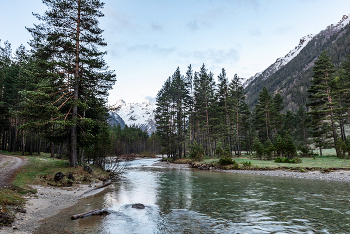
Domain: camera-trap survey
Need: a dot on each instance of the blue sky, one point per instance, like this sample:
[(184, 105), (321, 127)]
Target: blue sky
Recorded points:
[(148, 40)]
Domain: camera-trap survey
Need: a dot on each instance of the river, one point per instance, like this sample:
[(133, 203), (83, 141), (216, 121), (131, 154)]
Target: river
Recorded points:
[(192, 201)]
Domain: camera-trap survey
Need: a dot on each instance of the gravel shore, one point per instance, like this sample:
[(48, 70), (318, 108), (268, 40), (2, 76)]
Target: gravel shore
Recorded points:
[(313, 175), (48, 202), (339, 175)]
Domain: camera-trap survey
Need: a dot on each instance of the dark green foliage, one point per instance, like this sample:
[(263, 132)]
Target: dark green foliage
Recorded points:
[(288, 160), (196, 151), (289, 147), (226, 160), (219, 151), (132, 140), (217, 116), (323, 100), (73, 73), (247, 163), (172, 113), (53, 98), (258, 147), (269, 149), (304, 151)]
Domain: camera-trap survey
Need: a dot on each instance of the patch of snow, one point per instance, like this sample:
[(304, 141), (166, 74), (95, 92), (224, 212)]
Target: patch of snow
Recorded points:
[(139, 114), (280, 62)]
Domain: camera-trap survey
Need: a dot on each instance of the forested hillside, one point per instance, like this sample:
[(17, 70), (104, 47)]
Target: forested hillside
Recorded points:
[(207, 118), (293, 79)]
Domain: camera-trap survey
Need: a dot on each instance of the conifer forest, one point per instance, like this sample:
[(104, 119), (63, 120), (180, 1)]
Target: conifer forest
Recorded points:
[(198, 115), (53, 98)]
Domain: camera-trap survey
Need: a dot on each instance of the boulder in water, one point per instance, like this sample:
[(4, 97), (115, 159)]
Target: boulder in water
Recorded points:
[(138, 206)]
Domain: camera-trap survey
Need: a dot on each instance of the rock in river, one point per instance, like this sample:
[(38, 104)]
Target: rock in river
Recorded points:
[(138, 206)]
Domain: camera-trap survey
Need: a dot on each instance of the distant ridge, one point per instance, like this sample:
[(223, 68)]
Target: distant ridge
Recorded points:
[(140, 114), (290, 75)]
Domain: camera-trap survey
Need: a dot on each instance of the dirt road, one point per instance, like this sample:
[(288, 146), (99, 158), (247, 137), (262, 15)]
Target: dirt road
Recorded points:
[(9, 166)]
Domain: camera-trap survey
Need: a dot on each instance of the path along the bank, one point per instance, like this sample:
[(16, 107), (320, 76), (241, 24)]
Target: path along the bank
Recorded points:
[(9, 165)]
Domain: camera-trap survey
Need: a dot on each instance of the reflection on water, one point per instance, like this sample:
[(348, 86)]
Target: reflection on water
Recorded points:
[(186, 201)]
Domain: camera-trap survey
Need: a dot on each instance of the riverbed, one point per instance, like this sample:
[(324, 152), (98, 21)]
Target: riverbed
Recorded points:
[(182, 200)]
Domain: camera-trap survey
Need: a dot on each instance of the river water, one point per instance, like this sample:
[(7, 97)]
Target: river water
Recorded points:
[(191, 201)]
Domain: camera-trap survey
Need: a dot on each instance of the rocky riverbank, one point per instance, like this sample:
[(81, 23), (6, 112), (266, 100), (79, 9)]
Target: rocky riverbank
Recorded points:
[(334, 175), (48, 202)]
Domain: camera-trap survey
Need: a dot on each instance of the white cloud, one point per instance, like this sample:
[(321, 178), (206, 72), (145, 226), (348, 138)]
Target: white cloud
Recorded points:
[(218, 57), (151, 48)]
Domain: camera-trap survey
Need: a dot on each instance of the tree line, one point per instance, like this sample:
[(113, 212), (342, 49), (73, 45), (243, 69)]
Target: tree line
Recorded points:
[(133, 140), (194, 111), (55, 93)]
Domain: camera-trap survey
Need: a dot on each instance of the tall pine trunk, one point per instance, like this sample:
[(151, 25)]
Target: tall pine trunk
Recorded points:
[(73, 156)]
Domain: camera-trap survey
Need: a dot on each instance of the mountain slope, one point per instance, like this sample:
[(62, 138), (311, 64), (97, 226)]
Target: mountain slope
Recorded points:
[(291, 77), (138, 114)]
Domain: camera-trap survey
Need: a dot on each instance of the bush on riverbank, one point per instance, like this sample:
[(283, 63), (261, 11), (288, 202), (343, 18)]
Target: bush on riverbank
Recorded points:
[(226, 160), (288, 160)]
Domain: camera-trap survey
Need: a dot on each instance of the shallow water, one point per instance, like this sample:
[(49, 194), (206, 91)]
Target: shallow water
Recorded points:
[(188, 201)]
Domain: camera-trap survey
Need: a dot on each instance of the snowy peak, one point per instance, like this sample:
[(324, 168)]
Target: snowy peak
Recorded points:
[(341, 24), (140, 114), (280, 62)]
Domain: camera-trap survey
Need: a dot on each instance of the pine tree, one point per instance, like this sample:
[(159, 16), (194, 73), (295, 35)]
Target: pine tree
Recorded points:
[(66, 45), (222, 96), (204, 97), (323, 100), (263, 115), (163, 117), (237, 108)]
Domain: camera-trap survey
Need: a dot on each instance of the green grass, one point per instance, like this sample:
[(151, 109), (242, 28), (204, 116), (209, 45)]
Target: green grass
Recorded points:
[(10, 197), (318, 162), (328, 160), (37, 167), (41, 170)]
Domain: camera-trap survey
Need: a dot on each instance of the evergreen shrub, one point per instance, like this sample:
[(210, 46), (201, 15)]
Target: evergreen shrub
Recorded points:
[(287, 160), (247, 163), (197, 151), (226, 160)]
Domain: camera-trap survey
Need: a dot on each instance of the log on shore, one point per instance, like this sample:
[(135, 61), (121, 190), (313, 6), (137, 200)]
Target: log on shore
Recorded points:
[(98, 187), (89, 213)]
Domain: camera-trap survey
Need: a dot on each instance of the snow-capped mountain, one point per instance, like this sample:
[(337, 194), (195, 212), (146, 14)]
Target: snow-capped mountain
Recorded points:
[(290, 75), (280, 62), (139, 114)]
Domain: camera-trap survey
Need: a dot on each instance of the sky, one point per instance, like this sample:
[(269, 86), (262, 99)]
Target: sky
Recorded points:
[(148, 40)]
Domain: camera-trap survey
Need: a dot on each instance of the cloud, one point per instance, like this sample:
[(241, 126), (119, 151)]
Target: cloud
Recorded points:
[(193, 25), (214, 56), (152, 48), (119, 20), (255, 32), (157, 27)]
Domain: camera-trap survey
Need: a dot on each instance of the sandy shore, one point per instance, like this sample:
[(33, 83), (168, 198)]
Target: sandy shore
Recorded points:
[(339, 175), (48, 202)]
